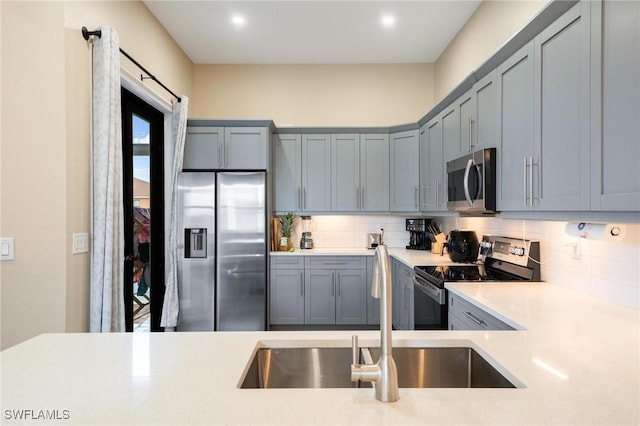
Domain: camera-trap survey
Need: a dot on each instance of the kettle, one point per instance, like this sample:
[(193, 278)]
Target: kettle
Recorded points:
[(463, 246)]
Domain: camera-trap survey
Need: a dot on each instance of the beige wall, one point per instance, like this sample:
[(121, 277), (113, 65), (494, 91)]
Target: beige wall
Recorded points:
[(490, 27), (33, 169), (315, 95), (45, 150)]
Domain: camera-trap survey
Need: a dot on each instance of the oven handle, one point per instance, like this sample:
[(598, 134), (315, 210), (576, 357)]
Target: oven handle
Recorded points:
[(434, 292)]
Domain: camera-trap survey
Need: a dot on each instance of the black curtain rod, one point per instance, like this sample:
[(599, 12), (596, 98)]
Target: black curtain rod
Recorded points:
[(98, 33)]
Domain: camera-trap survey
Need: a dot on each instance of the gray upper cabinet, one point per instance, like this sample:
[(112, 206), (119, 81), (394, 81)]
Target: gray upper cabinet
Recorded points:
[(246, 148), (220, 148), (560, 164), (471, 123), (316, 173), (432, 196), (345, 172), (516, 121), (615, 105), (404, 171), (450, 119), (485, 123), (374, 172), (360, 172), (287, 172), (203, 148)]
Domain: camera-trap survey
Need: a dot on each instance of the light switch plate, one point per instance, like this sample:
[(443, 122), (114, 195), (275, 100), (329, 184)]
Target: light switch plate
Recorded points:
[(80, 243), (6, 249)]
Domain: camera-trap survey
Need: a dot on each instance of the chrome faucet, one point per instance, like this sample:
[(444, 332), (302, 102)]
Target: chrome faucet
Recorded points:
[(384, 374)]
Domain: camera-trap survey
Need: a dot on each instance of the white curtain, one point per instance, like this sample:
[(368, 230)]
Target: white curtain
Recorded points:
[(171, 304), (107, 266)]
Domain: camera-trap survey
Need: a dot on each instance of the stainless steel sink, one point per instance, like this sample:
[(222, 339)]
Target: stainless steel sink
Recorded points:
[(437, 367), (455, 367), (300, 368)]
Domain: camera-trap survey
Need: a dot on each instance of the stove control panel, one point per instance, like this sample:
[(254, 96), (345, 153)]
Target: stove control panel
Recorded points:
[(514, 250)]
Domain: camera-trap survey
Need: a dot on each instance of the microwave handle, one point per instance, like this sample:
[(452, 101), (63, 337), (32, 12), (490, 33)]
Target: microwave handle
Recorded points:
[(466, 181)]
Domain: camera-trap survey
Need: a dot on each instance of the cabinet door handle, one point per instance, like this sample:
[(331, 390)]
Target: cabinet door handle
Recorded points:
[(362, 205), (333, 284), (415, 196), (220, 155), (524, 181), (470, 132), (531, 181), (339, 283), (301, 284), (304, 202), (298, 199), (473, 318), (358, 198)]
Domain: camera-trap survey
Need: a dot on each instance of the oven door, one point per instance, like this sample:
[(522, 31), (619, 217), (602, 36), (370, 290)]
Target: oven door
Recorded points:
[(430, 305)]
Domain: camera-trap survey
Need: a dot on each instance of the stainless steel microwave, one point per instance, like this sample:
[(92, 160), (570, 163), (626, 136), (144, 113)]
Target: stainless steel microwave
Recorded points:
[(471, 183)]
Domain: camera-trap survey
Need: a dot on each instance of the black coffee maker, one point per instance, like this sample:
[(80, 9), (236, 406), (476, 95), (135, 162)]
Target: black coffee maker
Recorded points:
[(419, 238)]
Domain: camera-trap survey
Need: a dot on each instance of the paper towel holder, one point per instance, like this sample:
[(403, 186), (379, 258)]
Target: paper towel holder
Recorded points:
[(594, 231)]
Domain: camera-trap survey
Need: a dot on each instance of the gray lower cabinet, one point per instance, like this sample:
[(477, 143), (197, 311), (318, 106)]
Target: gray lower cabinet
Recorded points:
[(464, 315), (402, 296), (320, 296), (351, 297), (286, 294), (318, 290), (219, 148), (335, 290), (615, 109), (404, 171), (373, 304)]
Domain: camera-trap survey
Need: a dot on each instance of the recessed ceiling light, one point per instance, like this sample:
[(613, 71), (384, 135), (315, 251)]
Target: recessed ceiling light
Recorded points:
[(388, 21), (238, 20)]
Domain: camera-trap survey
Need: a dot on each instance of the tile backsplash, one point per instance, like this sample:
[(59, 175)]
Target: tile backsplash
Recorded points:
[(609, 270)]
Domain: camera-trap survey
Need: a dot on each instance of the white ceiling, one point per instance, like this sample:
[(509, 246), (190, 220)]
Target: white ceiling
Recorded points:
[(312, 32)]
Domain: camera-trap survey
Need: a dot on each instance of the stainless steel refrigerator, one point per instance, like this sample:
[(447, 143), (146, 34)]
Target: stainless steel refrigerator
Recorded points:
[(222, 251)]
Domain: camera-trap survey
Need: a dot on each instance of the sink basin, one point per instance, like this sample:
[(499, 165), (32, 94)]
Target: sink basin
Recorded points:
[(330, 367), (300, 368), (450, 367)]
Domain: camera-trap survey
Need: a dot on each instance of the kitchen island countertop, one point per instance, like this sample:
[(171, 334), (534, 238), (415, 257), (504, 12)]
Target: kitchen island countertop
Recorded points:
[(577, 358)]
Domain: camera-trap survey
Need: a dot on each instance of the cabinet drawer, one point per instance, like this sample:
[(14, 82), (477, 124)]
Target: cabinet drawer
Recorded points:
[(474, 317), (287, 262), (335, 262)]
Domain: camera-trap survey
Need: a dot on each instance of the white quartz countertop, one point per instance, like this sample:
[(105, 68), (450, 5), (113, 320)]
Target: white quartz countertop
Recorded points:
[(409, 257), (576, 357)]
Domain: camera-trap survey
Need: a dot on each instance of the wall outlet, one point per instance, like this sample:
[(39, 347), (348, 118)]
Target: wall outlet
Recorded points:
[(6, 249)]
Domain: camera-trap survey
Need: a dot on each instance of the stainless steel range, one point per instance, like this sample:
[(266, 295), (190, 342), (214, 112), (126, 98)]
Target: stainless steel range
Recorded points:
[(501, 259)]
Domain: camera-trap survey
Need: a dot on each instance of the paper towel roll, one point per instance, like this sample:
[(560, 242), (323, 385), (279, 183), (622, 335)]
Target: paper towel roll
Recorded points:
[(595, 231)]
